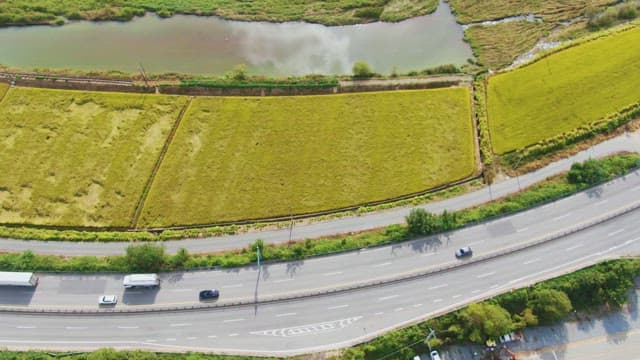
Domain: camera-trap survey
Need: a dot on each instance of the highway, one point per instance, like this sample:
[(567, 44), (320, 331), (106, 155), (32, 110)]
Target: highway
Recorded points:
[(327, 273), (626, 142), (324, 322)]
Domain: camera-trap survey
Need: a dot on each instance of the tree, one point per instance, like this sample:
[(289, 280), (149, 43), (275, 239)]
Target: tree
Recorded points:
[(485, 321), (422, 222), (550, 305), (239, 73), (589, 172), (106, 354), (145, 258), (180, 258), (361, 69)]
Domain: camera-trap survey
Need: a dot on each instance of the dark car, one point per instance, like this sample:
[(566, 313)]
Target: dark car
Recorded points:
[(209, 294), (465, 251)]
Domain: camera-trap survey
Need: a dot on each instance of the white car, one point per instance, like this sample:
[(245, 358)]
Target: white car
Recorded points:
[(108, 300), (434, 355)]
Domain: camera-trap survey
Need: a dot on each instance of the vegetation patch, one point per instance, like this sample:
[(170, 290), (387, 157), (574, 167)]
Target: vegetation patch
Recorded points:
[(497, 46), (4, 87), (20, 12), (78, 158), (468, 11), (250, 158), (564, 91)]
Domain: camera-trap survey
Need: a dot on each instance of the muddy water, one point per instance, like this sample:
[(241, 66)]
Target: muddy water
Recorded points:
[(210, 45)]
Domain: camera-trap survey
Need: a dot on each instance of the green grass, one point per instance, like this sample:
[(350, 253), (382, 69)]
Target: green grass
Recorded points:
[(497, 46), (564, 91), (248, 158), (4, 87), (78, 158), (468, 11), (327, 12)]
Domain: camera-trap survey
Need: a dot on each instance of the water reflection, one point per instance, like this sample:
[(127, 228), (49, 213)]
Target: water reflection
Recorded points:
[(211, 45)]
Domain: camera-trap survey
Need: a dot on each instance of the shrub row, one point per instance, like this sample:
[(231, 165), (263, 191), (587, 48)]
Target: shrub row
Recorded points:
[(480, 110), (562, 141), (110, 354), (320, 82), (604, 284), (419, 223)]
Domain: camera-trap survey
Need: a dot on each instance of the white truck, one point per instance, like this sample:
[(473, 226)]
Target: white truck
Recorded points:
[(141, 280), (27, 279)]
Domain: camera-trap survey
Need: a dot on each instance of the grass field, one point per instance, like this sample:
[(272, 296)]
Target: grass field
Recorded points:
[(497, 46), (563, 91), (247, 158), (327, 12), (78, 158), (468, 11), (3, 89)]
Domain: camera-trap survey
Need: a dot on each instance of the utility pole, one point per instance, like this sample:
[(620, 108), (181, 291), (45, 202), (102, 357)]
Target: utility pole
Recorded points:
[(144, 74), (291, 226), (258, 253), (431, 335)]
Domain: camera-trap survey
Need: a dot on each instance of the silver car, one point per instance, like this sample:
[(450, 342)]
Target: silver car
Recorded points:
[(108, 300)]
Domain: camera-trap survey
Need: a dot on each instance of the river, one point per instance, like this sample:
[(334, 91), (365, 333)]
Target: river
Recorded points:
[(211, 45)]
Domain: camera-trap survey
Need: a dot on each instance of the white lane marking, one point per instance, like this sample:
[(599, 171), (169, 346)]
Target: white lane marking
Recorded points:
[(485, 275), (191, 338), (76, 327), (456, 296), (212, 336), (181, 290), (233, 320), (437, 287), (332, 273), (234, 334), (379, 313), (428, 254), (25, 327), (151, 340), (388, 297), (171, 339), (337, 307), (531, 261), (383, 264), (286, 314), (398, 309), (522, 230), (283, 280), (437, 300), (231, 286), (615, 233), (475, 291), (574, 247), (128, 327), (180, 325), (417, 305), (493, 286), (601, 202), (554, 354), (561, 216)]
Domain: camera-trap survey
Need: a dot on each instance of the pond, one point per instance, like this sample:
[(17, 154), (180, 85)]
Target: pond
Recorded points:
[(210, 45)]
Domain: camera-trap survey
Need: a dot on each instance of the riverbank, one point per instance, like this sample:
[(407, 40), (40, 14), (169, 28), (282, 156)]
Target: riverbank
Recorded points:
[(341, 12)]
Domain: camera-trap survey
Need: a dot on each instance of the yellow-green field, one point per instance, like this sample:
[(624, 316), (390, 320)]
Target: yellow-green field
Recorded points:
[(3, 89), (78, 158), (247, 158), (563, 91)]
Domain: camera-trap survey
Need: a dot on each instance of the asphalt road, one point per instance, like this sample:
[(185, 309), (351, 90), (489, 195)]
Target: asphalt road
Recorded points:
[(627, 142), (330, 272), (326, 322)]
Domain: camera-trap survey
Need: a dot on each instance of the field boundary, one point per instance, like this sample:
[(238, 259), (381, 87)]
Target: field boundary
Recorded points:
[(156, 166)]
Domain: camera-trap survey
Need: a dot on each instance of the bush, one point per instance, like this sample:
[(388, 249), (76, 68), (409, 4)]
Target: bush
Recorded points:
[(361, 69), (485, 321), (628, 11), (550, 305), (590, 172), (145, 258)]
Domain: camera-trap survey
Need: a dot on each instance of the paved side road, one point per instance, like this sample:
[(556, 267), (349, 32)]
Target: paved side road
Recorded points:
[(626, 142)]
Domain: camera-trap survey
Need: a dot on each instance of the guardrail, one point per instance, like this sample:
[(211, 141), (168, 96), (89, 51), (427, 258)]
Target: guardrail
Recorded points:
[(325, 292)]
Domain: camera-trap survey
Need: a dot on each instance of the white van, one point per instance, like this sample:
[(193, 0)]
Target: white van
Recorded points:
[(27, 279), (141, 280)]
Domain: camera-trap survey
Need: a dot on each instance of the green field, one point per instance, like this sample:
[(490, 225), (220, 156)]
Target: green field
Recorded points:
[(561, 92), (246, 158), (3, 89), (19, 12), (78, 158), (468, 11)]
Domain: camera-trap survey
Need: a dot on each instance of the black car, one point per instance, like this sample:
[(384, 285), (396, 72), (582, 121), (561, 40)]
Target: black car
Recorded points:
[(209, 294)]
